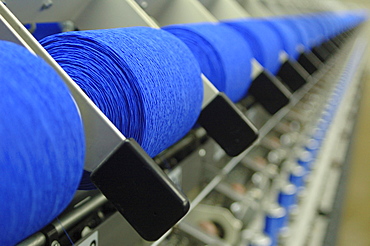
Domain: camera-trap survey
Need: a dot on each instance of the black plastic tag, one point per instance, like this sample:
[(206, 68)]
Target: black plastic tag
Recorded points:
[(321, 53), (269, 92), (224, 122), (309, 62), (140, 190), (293, 75)]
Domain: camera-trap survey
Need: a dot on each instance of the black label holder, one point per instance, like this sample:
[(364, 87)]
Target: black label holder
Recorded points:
[(267, 90), (309, 62), (224, 122), (291, 73)]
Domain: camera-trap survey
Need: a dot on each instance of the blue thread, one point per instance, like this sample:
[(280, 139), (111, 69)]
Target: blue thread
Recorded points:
[(223, 55), (264, 42), (289, 38), (42, 144), (324, 24), (65, 232), (294, 23), (145, 80), (316, 35)]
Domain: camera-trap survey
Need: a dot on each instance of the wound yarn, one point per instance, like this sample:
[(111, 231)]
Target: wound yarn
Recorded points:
[(145, 80), (288, 37), (42, 144), (264, 42), (223, 55), (294, 23)]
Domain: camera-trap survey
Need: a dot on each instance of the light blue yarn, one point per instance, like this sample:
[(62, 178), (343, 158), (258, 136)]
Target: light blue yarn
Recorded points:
[(42, 144), (224, 56), (264, 42), (145, 80)]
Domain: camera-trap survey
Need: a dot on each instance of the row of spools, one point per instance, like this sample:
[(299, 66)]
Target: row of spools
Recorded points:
[(317, 119), (146, 81)]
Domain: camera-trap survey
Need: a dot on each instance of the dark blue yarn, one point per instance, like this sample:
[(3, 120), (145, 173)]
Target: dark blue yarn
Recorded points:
[(289, 38), (42, 144), (264, 42), (223, 55), (145, 80)]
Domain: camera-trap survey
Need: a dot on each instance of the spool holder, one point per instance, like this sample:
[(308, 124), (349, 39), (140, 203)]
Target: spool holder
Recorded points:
[(321, 52), (268, 90), (330, 46), (110, 154), (309, 62), (338, 41), (292, 74)]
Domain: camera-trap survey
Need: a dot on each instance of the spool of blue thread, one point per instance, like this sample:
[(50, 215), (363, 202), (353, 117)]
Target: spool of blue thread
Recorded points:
[(315, 35), (294, 23), (289, 38), (332, 22), (273, 223), (42, 144), (288, 196), (320, 131), (345, 20), (313, 147), (223, 55), (322, 30), (145, 80), (342, 25), (335, 22), (305, 160), (320, 22), (297, 176), (264, 42), (353, 19), (287, 199)]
